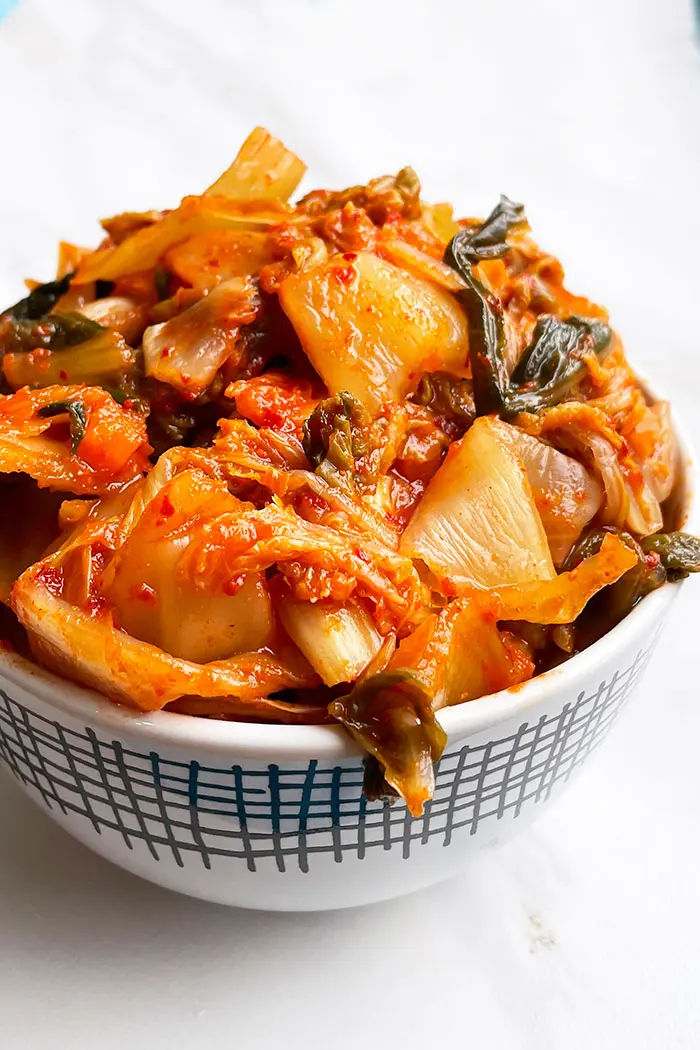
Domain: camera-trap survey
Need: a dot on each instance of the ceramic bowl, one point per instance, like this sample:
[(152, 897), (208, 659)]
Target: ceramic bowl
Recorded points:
[(273, 817)]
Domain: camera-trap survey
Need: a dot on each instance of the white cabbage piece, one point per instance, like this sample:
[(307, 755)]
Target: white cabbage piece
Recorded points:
[(478, 519), (371, 328), (188, 350), (194, 620), (338, 640), (566, 495)]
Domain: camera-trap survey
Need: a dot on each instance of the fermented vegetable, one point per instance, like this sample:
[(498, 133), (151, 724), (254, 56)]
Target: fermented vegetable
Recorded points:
[(478, 519), (678, 552), (349, 460), (371, 328)]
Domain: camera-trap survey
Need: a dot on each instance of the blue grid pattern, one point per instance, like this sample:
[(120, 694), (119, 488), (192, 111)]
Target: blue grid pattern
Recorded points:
[(286, 815)]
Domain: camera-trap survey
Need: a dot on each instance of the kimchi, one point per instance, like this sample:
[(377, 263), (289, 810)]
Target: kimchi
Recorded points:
[(345, 460)]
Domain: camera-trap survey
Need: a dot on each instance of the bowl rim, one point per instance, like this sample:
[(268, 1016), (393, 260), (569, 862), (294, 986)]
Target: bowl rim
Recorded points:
[(325, 742), (328, 742)]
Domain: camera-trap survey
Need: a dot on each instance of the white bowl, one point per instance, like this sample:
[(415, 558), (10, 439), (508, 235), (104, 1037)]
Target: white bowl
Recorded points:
[(273, 817)]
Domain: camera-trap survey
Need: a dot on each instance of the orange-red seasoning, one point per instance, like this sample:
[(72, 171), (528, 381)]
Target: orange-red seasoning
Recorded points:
[(96, 605), (143, 593), (52, 579), (344, 274), (234, 585), (166, 507)]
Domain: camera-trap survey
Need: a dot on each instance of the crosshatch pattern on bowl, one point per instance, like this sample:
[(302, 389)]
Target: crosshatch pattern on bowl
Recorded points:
[(286, 815)]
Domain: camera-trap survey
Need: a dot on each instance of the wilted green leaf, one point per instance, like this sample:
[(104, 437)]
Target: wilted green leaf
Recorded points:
[(391, 715), (77, 417), (337, 431), (678, 552)]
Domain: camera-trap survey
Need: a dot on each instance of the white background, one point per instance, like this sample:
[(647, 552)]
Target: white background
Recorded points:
[(585, 933)]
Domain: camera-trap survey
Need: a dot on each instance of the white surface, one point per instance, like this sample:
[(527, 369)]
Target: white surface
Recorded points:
[(585, 932)]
